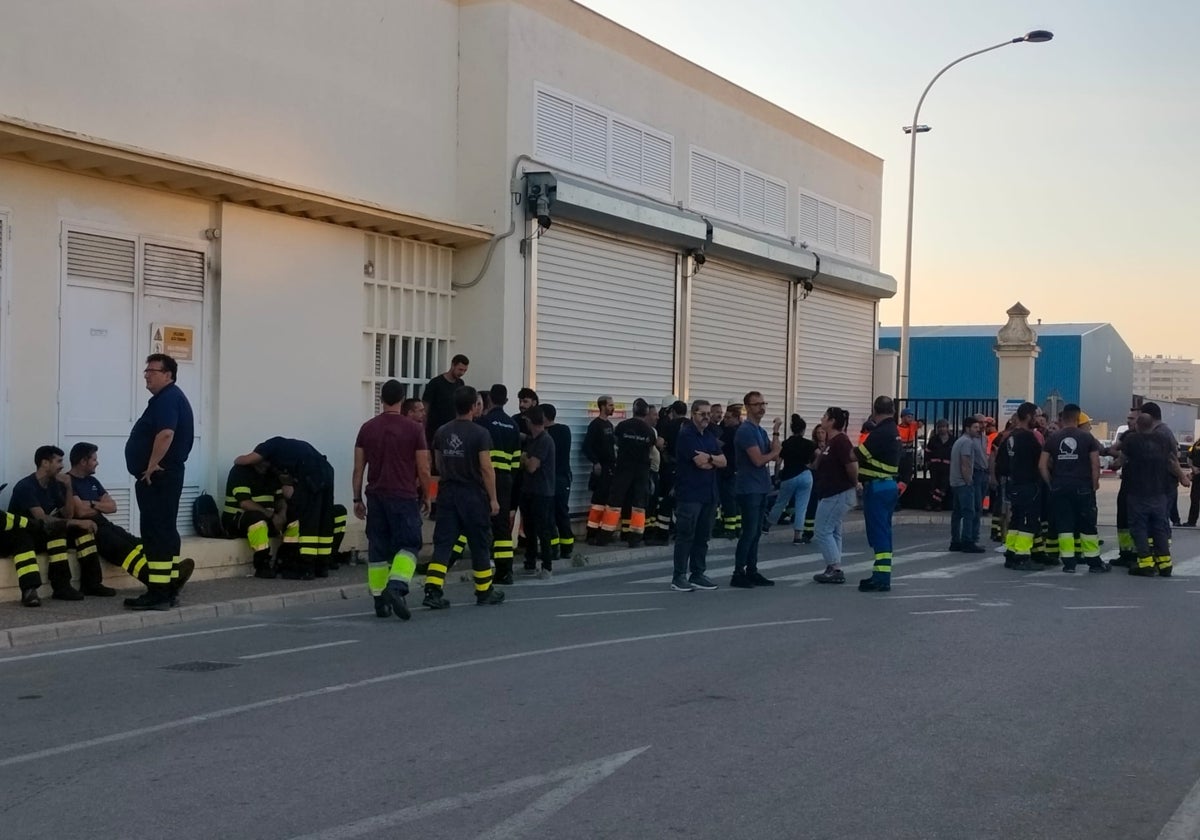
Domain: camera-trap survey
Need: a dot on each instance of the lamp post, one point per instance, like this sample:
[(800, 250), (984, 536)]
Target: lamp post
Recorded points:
[(1037, 36)]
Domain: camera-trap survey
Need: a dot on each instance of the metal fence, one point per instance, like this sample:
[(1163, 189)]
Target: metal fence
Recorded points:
[(954, 411)]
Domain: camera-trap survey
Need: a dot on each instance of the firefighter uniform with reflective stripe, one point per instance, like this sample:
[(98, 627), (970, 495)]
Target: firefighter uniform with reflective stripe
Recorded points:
[(937, 458), (878, 464), (16, 541), (631, 480), (1018, 455), (110, 543), (310, 507), (565, 539), (263, 490), (506, 461), (599, 447)]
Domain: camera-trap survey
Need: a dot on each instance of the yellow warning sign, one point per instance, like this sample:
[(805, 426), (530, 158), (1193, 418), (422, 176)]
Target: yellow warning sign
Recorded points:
[(178, 342)]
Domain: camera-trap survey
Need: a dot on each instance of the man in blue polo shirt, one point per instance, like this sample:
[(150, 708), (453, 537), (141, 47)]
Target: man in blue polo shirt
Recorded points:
[(155, 454), (753, 451), (698, 457)]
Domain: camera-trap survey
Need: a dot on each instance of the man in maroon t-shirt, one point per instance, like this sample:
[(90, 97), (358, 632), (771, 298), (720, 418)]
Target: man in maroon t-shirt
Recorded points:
[(392, 450)]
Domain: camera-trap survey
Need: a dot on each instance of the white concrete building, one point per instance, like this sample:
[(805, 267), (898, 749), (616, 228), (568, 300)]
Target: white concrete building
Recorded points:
[(306, 200), (1166, 377)]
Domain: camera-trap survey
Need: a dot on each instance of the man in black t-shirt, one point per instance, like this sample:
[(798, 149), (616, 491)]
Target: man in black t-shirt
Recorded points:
[(1070, 464), (255, 509), (631, 480), (538, 463), (438, 395), (1017, 457), (1150, 461), (466, 501), (42, 496)]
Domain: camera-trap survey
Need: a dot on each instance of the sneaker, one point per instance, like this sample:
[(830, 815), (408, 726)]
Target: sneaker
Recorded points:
[(435, 600), (395, 598), (1069, 568), (955, 546), (66, 592), (806, 538), (489, 598), (799, 540), (383, 609), (741, 581), (872, 585), (701, 582), (29, 598), (680, 584), (972, 548), (545, 574), (98, 590), (1099, 568), (758, 580), (830, 575)]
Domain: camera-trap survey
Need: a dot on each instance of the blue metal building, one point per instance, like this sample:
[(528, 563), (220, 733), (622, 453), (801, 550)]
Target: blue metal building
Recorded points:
[(1088, 364)]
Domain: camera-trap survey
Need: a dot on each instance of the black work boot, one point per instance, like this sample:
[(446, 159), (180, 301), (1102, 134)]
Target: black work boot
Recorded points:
[(434, 599), (263, 566), (157, 597), (490, 597), (186, 566)]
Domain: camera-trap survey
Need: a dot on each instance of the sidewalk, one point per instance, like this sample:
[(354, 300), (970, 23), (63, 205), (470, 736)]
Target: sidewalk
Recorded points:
[(206, 599)]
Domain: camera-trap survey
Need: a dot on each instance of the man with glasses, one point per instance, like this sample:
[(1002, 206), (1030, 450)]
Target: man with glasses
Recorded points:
[(698, 457), (752, 483), (155, 455)]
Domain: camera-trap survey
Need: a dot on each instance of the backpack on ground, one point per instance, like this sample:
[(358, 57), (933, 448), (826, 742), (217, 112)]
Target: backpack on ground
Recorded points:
[(206, 518)]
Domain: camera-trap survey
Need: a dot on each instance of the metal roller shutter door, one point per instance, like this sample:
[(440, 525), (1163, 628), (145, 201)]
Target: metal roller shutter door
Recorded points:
[(605, 325), (836, 356), (738, 336)]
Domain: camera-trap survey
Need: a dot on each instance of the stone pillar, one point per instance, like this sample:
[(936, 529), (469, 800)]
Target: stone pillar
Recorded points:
[(1016, 347)]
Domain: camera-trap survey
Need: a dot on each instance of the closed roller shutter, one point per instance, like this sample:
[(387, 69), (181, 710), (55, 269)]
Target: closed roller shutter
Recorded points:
[(738, 336), (836, 356), (605, 325)]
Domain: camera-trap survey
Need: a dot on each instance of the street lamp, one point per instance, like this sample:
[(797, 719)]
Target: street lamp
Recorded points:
[(1037, 36)]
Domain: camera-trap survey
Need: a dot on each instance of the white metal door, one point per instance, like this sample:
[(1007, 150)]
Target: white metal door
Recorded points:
[(605, 325), (98, 356), (6, 458), (835, 356), (737, 335)]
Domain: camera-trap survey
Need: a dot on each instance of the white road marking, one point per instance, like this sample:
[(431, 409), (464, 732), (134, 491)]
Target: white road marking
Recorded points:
[(575, 781), (1114, 607), (955, 570), (776, 563), (609, 612), (939, 612), (337, 688), (1185, 822), (966, 597), (299, 649), (338, 615), (806, 578), (615, 571), (86, 648), (521, 600)]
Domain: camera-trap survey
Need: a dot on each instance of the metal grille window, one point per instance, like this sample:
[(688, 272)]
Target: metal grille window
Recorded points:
[(406, 316), (731, 191), (610, 146), (825, 224)]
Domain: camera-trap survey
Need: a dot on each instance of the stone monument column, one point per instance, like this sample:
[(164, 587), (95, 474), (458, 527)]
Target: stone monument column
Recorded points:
[(1016, 347)]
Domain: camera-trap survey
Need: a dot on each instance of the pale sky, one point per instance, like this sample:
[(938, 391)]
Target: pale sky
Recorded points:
[(1057, 174)]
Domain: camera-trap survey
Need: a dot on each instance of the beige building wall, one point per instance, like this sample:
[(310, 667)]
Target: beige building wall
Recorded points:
[(350, 98)]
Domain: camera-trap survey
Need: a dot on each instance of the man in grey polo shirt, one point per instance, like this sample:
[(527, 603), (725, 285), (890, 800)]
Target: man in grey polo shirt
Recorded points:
[(965, 457)]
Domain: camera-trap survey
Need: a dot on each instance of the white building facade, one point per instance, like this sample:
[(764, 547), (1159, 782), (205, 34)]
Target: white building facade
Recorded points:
[(1166, 377), (301, 202)]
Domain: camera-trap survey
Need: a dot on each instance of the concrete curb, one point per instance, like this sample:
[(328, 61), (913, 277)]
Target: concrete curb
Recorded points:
[(122, 622)]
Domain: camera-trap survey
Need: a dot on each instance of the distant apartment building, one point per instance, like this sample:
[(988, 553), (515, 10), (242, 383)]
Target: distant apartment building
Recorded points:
[(1166, 377)]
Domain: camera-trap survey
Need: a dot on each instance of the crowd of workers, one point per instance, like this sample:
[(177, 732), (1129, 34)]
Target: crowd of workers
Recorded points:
[(690, 473)]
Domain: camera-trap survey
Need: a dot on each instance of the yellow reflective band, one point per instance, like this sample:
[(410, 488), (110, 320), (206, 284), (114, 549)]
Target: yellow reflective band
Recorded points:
[(377, 577), (567, 540), (137, 567), (291, 532), (240, 491), (131, 556), (879, 568), (25, 562), (502, 543), (437, 568), (53, 544), (339, 520), (86, 551), (502, 555), (259, 536), (404, 566), (883, 555), (264, 500), (310, 552)]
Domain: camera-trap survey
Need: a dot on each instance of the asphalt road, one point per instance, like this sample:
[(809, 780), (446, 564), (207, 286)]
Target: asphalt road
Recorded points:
[(970, 702)]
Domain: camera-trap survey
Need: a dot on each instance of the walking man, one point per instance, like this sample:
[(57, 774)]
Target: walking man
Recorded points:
[(752, 482), (878, 468), (391, 451), (155, 454), (466, 501), (698, 457)]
